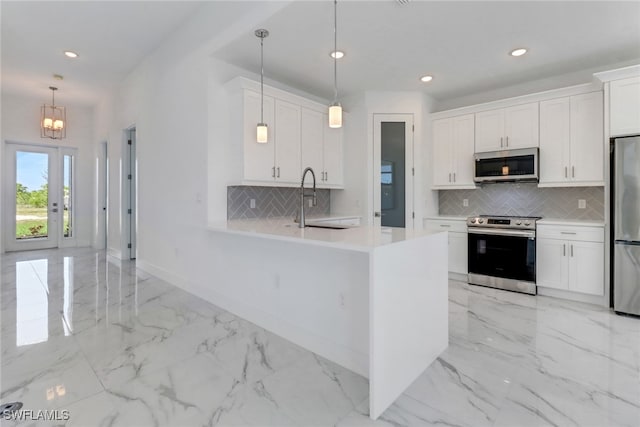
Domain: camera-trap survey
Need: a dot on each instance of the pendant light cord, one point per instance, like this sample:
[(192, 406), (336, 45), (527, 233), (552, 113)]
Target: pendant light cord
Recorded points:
[(335, 51), (262, 79)]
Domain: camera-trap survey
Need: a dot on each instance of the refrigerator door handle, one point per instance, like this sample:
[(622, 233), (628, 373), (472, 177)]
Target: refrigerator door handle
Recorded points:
[(627, 242)]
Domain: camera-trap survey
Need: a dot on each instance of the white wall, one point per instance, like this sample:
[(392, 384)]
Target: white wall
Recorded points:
[(357, 198), (21, 123)]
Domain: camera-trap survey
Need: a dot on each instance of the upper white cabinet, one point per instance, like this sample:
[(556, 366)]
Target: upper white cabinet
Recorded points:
[(507, 128), (572, 141), (625, 107), (321, 148), (258, 158), (453, 148), (298, 136), (287, 142), (279, 159)]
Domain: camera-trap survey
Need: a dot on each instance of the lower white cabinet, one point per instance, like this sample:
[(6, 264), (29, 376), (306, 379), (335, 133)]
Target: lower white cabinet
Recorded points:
[(458, 254), (570, 258)]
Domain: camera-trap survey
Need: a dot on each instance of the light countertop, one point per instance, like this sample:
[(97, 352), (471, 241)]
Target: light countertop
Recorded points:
[(448, 217), (362, 238), (571, 222)]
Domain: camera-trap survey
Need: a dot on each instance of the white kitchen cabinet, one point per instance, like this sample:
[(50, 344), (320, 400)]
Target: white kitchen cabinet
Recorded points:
[(321, 148), (572, 141), (570, 258), (507, 128), (625, 107), (279, 159), (287, 142), (298, 136), (458, 241), (258, 158), (453, 148)]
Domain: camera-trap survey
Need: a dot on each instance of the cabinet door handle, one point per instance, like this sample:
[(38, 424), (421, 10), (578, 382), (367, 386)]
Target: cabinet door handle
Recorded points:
[(273, 172), (573, 171), (278, 175), (449, 176), (506, 144), (565, 172), (571, 250), (564, 249), (444, 225), (501, 142), (567, 232), (326, 176), (454, 177)]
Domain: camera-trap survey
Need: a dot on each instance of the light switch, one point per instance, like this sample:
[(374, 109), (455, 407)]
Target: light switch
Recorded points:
[(582, 204), (252, 203), (465, 202)]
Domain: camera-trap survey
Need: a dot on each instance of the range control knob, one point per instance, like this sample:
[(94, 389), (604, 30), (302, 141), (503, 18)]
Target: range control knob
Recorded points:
[(518, 222), (527, 223), (473, 221), (480, 220)]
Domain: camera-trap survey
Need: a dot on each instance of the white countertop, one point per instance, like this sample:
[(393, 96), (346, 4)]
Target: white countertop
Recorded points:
[(448, 217), (363, 238), (570, 222)]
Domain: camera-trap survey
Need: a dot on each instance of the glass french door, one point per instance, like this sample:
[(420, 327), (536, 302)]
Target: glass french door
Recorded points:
[(39, 196)]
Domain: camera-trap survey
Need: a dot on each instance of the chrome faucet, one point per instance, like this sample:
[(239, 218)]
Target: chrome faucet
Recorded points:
[(303, 196)]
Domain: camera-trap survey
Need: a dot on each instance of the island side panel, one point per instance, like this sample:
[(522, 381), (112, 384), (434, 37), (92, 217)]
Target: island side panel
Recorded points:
[(314, 296), (408, 315)]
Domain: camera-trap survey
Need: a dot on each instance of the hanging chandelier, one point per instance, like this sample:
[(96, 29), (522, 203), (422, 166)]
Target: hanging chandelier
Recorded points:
[(262, 130), (53, 123), (335, 110)]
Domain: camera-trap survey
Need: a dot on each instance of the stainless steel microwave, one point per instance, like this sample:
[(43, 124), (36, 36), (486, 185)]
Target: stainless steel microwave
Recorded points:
[(507, 165)]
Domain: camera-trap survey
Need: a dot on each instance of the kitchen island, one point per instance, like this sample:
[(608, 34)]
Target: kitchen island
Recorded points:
[(372, 299)]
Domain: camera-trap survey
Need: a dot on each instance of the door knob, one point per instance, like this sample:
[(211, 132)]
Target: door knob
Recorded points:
[(54, 210), (377, 214)]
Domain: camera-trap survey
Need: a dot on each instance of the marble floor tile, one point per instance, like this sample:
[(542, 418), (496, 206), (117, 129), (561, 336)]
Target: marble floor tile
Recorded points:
[(118, 347)]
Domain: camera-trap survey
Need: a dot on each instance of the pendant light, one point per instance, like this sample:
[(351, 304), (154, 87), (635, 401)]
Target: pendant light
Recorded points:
[(53, 119), (261, 130), (335, 110)]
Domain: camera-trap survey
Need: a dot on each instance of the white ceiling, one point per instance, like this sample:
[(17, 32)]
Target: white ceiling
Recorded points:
[(389, 46), (464, 45), (112, 37)]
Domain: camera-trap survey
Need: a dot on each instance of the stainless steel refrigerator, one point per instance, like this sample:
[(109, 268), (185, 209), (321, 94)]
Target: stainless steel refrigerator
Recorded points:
[(626, 224)]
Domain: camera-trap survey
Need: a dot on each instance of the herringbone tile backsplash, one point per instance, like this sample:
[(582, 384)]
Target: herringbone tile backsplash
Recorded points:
[(271, 202), (524, 199)]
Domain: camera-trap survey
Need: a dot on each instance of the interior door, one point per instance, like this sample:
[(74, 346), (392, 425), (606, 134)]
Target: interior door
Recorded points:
[(393, 196), (33, 197)]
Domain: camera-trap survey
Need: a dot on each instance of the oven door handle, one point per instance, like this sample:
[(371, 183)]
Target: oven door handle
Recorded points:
[(496, 232)]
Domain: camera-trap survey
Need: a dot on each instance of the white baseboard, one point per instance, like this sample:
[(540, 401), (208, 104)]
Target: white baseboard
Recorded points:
[(350, 359), (458, 277), (573, 296)]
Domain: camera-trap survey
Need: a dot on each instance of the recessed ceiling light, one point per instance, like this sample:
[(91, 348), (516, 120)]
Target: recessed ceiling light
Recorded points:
[(70, 54), (518, 52), (426, 78), (337, 54)]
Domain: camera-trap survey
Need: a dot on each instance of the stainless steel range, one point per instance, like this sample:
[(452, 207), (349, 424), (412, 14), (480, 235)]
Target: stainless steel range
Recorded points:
[(502, 252)]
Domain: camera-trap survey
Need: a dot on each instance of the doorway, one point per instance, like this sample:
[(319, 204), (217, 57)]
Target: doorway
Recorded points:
[(393, 199), (40, 197)]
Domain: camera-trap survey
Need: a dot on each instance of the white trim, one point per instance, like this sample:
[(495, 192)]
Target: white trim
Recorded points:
[(518, 100), (617, 74), (573, 296)]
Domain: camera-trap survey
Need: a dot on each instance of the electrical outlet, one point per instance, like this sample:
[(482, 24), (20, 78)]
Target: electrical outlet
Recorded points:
[(582, 204), (252, 203), (465, 202)]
